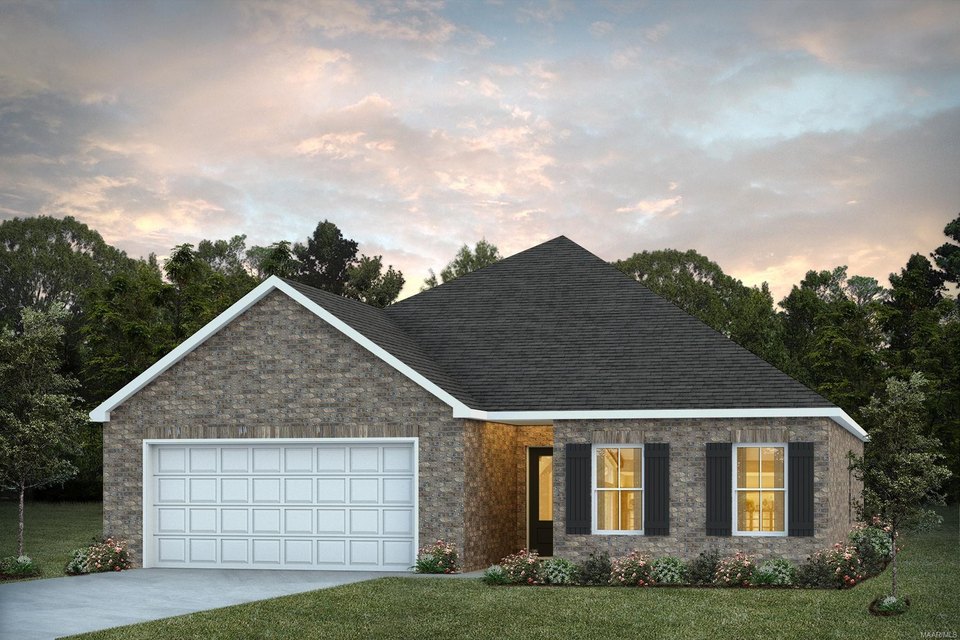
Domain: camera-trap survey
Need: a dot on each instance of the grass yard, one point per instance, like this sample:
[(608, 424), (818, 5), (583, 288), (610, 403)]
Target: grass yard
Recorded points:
[(456, 608), (51, 531)]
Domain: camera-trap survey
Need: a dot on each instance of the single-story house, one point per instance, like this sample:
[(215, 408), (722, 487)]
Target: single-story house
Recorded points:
[(547, 401)]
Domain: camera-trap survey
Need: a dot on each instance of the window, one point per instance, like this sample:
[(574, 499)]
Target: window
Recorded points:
[(618, 489), (759, 491)]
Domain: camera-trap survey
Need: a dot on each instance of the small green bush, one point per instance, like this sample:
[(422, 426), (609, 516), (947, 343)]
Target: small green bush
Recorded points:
[(19, 567), (836, 568), (560, 571), (78, 563), (874, 544), (734, 571), (669, 570), (702, 569), (631, 571), (495, 575), (439, 557), (777, 572), (523, 567), (595, 570)]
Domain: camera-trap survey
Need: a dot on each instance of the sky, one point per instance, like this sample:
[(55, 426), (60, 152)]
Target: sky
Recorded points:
[(772, 137)]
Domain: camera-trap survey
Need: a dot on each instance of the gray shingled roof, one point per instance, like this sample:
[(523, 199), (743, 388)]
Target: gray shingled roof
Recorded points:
[(557, 328)]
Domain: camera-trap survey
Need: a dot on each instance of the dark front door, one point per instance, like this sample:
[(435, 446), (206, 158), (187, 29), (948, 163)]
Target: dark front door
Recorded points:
[(540, 490)]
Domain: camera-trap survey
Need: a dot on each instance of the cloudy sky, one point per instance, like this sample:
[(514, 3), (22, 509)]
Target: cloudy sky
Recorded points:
[(773, 137)]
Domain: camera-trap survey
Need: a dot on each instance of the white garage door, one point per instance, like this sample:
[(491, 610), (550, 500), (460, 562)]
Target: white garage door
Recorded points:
[(313, 504)]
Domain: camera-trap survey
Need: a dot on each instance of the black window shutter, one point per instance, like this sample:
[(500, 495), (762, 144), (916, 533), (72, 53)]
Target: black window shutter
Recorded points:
[(800, 488), (578, 488), (719, 490), (656, 489)]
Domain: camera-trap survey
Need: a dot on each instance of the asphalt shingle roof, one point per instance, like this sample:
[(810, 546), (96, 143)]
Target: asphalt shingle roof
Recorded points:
[(558, 328)]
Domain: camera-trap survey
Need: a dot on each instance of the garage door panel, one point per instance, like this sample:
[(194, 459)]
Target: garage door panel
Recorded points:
[(322, 506), (333, 490), (332, 521)]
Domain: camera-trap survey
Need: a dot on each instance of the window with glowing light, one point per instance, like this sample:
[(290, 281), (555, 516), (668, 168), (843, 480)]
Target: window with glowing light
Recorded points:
[(618, 489), (760, 494)]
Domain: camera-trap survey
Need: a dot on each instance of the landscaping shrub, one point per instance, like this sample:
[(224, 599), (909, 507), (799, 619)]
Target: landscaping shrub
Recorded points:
[(669, 570), (703, 569), (777, 572), (78, 563), (495, 575), (560, 571), (874, 544), (595, 570), (836, 568), (523, 567), (734, 571), (632, 570), (13, 567), (439, 557)]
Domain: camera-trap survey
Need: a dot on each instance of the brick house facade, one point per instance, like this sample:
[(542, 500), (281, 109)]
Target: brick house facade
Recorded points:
[(291, 365)]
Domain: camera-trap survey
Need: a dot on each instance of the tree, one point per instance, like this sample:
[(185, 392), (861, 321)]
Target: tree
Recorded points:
[(274, 260), (329, 261), (700, 287), (482, 255), (38, 417), (325, 259), (947, 255), (900, 467), (367, 282)]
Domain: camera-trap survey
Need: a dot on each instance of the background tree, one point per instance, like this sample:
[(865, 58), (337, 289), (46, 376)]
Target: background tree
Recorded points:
[(330, 262), (325, 259), (38, 417), (276, 259), (700, 287), (482, 255), (367, 282), (900, 467)]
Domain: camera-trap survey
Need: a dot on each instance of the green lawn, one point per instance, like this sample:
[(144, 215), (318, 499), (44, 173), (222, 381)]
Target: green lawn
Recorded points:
[(51, 531), (455, 608)]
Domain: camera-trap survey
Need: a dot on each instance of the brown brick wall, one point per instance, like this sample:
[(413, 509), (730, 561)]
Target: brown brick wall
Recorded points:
[(277, 371), (687, 440), (845, 490)]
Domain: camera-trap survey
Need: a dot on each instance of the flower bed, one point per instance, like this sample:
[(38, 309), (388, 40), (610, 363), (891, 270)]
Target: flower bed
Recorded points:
[(841, 567), (102, 556), (439, 557)]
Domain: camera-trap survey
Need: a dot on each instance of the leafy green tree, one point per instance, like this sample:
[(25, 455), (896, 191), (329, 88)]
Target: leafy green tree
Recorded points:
[(276, 259), (947, 255), (901, 467), (367, 282), (126, 329), (832, 335), (912, 312), (38, 415), (325, 260), (330, 262), (482, 255), (700, 287)]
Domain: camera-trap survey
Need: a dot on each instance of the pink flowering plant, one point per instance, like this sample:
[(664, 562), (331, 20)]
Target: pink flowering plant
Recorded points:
[(633, 570), (524, 567), (836, 568), (109, 555), (734, 571), (439, 557), (873, 541)]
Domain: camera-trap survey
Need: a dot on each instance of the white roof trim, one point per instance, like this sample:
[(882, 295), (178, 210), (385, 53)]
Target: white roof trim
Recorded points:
[(102, 412), (539, 417), (460, 410)]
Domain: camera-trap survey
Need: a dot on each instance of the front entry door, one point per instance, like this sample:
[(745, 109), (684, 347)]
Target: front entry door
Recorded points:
[(540, 486)]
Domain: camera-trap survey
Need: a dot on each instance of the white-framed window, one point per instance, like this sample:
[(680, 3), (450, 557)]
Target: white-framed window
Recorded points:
[(760, 489), (617, 489)]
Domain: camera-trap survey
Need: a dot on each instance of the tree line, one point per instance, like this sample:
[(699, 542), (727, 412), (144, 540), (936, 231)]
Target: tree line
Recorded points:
[(842, 335)]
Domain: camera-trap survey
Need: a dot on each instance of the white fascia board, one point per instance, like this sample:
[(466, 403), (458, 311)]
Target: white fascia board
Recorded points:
[(540, 417), (102, 412)]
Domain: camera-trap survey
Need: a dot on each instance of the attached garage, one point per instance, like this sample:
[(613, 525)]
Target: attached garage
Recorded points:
[(289, 504)]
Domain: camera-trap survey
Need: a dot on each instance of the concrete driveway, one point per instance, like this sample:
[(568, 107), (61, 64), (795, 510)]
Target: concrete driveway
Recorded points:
[(65, 606)]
